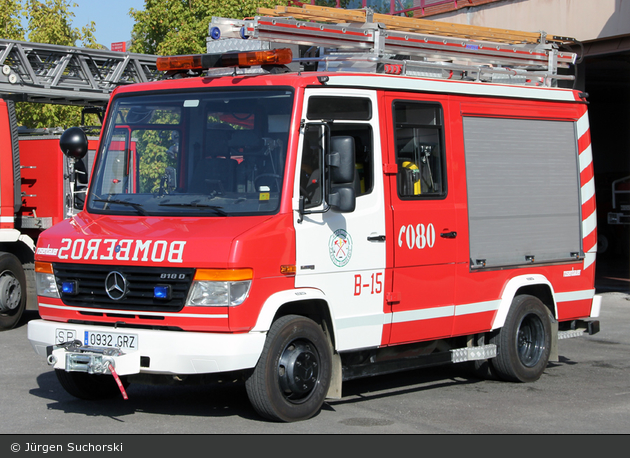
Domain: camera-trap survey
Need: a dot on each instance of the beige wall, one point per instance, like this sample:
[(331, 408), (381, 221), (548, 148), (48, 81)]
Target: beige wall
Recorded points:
[(581, 19)]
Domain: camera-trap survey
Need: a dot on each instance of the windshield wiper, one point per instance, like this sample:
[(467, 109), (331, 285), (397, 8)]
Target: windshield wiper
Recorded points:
[(196, 204), (135, 205)]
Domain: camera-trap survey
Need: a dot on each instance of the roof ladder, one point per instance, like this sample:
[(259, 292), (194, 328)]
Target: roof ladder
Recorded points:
[(417, 46)]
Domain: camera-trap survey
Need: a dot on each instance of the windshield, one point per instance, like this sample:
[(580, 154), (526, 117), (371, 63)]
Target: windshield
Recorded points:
[(193, 153)]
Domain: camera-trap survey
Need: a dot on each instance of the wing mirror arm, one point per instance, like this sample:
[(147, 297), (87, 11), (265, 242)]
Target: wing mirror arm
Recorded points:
[(74, 145)]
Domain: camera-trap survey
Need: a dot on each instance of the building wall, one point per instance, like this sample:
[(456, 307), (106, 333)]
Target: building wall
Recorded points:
[(584, 20)]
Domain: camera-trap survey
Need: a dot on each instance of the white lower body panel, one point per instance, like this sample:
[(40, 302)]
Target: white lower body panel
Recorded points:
[(168, 352)]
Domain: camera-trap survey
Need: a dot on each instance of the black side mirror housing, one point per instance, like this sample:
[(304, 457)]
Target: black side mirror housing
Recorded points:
[(74, 143), (341, 160), (342, 199), (341, 166)]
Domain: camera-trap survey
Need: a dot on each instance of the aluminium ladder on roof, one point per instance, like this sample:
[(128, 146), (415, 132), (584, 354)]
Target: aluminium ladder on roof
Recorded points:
[(403, 23), (494, 51), (45, 73)]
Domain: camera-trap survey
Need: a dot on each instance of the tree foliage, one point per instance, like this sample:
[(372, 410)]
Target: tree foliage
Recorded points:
[(10, 23), (48, 21), (172, 27)]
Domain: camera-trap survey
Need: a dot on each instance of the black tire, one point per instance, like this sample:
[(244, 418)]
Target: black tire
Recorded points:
[(89, 386), (605, 245), (524, 342), (12, 291), (291, 379)]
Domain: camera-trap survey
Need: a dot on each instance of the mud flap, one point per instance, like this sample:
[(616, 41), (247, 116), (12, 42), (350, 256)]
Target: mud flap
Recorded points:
[(334, 391), (553, 353)]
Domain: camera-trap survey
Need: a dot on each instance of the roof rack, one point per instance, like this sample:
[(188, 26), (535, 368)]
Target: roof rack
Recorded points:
[(408, 46)]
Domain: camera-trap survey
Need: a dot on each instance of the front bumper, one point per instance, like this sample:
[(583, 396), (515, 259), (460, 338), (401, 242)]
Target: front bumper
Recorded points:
[(157, 352)]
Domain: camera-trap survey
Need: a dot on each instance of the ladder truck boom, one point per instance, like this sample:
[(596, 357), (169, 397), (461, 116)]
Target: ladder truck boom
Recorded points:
[(44, 73)]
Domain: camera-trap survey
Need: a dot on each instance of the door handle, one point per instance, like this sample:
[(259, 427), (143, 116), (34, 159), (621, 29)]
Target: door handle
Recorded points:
[(376, 238), (448, 235)]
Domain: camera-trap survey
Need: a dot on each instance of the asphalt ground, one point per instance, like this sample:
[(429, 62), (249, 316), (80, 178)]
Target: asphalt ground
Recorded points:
[(586, 392)]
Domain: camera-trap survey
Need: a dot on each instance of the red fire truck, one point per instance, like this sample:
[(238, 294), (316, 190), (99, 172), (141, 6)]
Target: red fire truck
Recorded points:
[(38, 187), (402, 199)]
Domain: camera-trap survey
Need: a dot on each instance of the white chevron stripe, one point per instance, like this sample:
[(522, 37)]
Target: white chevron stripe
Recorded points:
[(588, 191), (589, 224), (589, 258), (582, 125), (586, 158)]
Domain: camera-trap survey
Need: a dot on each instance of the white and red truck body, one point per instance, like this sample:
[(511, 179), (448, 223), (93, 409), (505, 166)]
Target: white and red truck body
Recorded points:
[(508, 211)]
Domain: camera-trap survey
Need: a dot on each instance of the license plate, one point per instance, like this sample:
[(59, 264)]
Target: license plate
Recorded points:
[(110, 340)]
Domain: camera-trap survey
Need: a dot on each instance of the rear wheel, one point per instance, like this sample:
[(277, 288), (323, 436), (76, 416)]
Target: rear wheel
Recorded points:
[(524, 342), (12, 291), (89, 386), (293, 373)]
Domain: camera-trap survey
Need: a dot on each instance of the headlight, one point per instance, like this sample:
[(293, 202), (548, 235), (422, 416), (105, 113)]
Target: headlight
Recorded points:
[(220, 287), (45, 280)]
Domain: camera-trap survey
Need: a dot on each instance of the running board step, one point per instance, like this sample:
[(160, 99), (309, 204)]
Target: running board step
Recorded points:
[(460, 355), (457, 355)]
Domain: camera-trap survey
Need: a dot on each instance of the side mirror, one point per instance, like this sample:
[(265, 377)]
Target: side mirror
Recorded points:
[(342, 199), (341, 160), (74, 143), (341, 166)]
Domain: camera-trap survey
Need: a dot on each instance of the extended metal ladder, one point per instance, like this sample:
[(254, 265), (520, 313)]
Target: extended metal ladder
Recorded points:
[(36, 72), (416, 46)]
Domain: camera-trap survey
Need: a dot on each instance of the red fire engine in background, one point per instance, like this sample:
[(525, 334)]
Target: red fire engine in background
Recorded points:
[(400, 194), (38, 187)]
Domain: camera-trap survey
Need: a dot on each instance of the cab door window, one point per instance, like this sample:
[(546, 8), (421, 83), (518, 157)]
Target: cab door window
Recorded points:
[(336, 117), (418, 130)]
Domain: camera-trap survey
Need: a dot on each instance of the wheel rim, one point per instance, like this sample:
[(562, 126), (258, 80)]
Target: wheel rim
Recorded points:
[(298, 371), (530, 340), (10, 293)]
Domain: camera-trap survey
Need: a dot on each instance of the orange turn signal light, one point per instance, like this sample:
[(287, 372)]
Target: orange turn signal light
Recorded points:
[(224, 274), (44, 267), (288, 269)]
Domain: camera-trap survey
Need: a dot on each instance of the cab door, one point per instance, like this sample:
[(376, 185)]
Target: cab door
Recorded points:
[(341, 256), (423, 221)]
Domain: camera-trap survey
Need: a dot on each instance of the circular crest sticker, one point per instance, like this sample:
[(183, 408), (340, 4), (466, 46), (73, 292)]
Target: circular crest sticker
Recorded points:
[(340, 247)]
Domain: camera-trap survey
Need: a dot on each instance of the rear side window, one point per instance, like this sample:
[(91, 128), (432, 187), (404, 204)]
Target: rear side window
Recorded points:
[(418, 130)]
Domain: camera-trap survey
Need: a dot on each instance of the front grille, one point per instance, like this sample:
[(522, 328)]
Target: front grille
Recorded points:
[(141, 282)]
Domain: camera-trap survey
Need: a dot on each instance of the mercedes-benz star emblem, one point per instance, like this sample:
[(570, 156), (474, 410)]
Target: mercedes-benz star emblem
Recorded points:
[(116, 285)]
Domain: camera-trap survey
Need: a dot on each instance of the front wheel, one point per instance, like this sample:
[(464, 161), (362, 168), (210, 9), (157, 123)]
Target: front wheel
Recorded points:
[(12, 291), (293, 373), (524, 342)]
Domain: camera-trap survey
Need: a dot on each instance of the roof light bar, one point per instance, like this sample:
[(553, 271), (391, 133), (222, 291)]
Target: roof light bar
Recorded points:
[(280, 56)]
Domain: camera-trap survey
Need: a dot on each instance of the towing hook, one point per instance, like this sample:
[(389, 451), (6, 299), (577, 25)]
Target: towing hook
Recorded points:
[(52, 359)]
